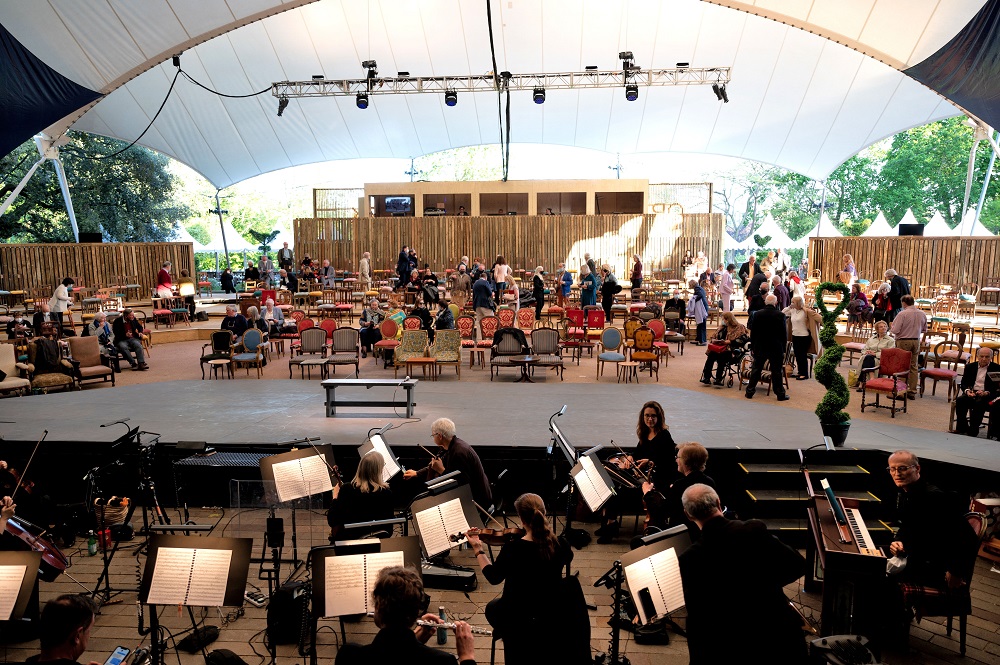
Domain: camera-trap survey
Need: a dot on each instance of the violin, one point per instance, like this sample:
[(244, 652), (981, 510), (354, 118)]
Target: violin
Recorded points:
[(493, 536), (54, 562)]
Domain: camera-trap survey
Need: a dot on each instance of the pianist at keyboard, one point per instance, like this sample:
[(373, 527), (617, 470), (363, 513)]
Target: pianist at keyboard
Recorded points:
[(939, 545)]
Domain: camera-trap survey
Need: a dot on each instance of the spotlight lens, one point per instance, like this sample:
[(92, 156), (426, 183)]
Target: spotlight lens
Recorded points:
[(362, 100), (631, 92), (538, 95), (450, 98)]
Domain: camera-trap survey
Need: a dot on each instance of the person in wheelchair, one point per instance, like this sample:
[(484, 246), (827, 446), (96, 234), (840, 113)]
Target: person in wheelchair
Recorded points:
[(366, 498), (730, 335)]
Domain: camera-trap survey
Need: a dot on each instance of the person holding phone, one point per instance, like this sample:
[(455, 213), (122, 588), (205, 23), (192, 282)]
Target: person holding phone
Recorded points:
[(64, 628)]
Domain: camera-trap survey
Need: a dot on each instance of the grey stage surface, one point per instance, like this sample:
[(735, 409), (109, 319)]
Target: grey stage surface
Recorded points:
[(501, 414)]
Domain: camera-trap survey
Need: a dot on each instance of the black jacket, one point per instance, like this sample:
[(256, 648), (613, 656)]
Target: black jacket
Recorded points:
[(396, 645), (482, 294), (745, 271), (461, 457), (969, 377), (934, 534), (755, 284), (120, 327), (899, 288), (768, 331)]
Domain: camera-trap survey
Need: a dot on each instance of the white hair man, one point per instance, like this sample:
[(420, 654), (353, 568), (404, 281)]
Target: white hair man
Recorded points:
[(768, 335), (457, 456)]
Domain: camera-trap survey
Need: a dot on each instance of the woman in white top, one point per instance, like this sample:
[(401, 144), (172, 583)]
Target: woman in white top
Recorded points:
[(803, 322), (500, 272), (61, 300), (873, 348)]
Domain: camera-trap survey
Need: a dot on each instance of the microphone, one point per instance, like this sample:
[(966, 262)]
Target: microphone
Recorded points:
[(116, 422), (385, 428), (562, 410)]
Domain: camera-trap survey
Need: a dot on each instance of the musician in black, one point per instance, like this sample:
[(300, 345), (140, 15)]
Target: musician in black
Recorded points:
[(733, 578), (366, 498), (937, 542), (666, 508), (399, 599), (457, 456)]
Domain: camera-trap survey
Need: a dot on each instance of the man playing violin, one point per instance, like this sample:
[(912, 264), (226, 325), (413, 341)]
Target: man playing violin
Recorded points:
[(457, 456), (666, 508)]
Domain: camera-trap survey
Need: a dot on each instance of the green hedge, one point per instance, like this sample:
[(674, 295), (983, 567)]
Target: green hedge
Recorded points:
[(831, 408)]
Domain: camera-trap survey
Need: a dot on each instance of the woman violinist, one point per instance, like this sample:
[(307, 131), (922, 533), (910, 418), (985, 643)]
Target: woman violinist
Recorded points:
[(531, 568), (652, 456), (366, 498)]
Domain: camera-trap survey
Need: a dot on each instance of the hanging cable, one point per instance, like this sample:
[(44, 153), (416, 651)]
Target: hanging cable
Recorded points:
[(222, 94), (500, 84)]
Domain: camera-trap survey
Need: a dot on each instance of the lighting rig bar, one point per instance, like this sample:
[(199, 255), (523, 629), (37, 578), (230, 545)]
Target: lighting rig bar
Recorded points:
[(409, 85)]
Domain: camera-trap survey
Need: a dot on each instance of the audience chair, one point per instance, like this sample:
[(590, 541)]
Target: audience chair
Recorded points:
[(488, 327), (545, 345), (890, 379), (506, 317), (12, 381), (87, 361), (466, 326), (447, 349), (526, 318), (413, 345), (46, 375), (312, 344), (219, 348), (389, 329), (253, 352), (610, 350), (506, 346), (949, 373), (644, 352), (345, 349)]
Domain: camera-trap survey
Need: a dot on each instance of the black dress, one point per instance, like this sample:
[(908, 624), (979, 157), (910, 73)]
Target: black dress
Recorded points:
[(352, 505)]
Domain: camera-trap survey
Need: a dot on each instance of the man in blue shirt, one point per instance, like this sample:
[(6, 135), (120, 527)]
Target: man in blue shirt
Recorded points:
[(566, 279), (482, 298)]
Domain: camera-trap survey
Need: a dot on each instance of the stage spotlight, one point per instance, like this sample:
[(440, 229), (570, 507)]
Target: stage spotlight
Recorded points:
[(720, 92), (282, 105), (725, 95), (450, 98), (362, 100), (631, 92), (538, 95)]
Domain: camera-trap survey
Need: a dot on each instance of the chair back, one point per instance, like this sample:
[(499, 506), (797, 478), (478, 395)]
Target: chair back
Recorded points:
[(413, 342), (647, 315), (893, 361), (658, 327), (466, 326), (948, 353), (252, 338), (576, 316), (508, 343), (222, 341), (488, 327), (306, 324), (978, 522), (268, 293), (506, 317), (643, 340), (632, 324), (525, 318), (8, 358), (545, 341), (345, 339), (611, 339), (85, 350), (329, 325), (283, 297), (455, 311), (329, 297), (313, 340), (389, 328), (295, 315), (595, 319), (447, 345), (412, 323)]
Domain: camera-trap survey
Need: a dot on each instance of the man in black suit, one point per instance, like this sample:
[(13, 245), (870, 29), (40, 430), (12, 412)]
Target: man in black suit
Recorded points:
[(43, 315), (733, 576), (398, 599), (767, 339), (977, 394), (286, 258), (899, 287)]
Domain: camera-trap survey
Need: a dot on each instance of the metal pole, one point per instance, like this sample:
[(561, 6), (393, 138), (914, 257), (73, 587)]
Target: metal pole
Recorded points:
[(17, 190), (222, 227), (979, 209), (64, 186)]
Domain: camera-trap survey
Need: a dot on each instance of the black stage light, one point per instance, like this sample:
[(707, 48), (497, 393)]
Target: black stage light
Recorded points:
[(725, 95), (717, 90), (591, 68), (362, 100), (631, 92), (450, 98), (538, 95), (282, 105)]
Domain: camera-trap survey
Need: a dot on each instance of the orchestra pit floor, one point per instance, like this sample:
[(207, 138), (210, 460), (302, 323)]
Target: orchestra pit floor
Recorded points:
[(116, 624)]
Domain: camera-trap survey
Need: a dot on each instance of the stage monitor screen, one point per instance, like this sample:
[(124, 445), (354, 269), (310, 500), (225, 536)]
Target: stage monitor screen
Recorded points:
[(399, 205), (911, 229)]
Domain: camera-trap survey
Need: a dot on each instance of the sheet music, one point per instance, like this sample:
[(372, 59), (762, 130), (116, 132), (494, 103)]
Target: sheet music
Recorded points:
[(189, 576), (593, 488), (10, 585), (437, 524), (301, 477), (350, 579), (391, 468), (661, 574)]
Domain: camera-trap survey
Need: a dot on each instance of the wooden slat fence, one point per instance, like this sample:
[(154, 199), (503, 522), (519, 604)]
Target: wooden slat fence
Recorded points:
[(925, 261), (525, 241), (98, 264)]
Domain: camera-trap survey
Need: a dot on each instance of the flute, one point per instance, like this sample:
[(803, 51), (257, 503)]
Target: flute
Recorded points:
[(451, 626)]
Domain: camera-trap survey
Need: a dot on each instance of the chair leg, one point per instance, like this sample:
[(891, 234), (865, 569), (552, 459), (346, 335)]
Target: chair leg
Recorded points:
[(961, 632)]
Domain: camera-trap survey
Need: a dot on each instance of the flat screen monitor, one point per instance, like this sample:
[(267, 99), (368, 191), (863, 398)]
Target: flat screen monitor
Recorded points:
[(399, 205), (911, 229)]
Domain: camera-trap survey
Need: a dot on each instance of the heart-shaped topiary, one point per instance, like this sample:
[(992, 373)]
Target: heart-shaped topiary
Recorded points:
[(761, 240), (831, 408)]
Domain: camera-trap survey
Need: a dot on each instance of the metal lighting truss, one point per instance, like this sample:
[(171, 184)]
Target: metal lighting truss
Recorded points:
[(409, 85)]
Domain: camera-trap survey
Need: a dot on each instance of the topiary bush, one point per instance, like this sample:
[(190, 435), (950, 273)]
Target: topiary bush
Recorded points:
[(831, 408)]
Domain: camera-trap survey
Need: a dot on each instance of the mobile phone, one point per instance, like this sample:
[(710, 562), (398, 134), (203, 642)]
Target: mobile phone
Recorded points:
[(117, 656)]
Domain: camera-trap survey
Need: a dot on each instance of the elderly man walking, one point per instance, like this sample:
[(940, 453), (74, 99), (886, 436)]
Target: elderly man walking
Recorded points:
[(768, 336), (908, 327)]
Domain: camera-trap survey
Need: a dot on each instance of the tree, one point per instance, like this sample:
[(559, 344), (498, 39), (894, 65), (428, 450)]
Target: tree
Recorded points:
[(849, 192), (742, 198), (796, 203), (478, 162), (128, 197)]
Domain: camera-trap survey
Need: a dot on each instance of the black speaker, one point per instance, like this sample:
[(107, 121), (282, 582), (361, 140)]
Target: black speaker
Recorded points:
[(911, 229), (89, 236), (287, 613)]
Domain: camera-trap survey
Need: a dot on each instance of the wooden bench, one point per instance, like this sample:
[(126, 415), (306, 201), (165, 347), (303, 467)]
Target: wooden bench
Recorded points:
[(331, 386)]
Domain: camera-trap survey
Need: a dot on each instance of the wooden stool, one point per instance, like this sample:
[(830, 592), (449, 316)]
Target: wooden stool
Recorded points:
[(214, 365), (628, 370)]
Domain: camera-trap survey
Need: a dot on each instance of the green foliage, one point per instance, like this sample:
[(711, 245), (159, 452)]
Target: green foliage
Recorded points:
[(130, 197), (478, 162), (831, 408), (761, 240), (262, 239)]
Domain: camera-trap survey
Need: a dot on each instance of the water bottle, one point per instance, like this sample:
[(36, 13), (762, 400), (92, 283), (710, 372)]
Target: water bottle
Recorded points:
[(91, 543), (442, 635)]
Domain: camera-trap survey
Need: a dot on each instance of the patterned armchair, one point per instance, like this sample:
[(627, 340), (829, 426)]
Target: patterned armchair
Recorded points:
[(46, 369), (413, 345), (644, 352), (447, 349)]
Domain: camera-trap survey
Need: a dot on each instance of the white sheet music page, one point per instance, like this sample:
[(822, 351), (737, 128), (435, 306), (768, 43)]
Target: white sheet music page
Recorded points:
[(591, 485), (189, 576), (437, 524), (661, 574), (10, 585), (316, 475), (350, 579), (391, 468)]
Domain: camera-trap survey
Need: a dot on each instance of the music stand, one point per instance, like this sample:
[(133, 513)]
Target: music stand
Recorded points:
[(193, 571), (438, 517), (353, 566), (18, 574), (377, 443), (579, 538), (653, 575), (593, 480)]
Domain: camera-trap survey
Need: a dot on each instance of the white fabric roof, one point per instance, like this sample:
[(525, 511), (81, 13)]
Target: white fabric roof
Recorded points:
[(234, 240), (938, 227), (971, 226), (908, 218), (879, 228), (181, 235), (813, 82), (769, 227)]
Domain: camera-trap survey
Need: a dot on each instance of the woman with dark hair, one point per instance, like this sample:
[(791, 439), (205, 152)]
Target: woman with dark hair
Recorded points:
[(426, 320), (530, 568), (636, 275), (538, 291), (366, 498)]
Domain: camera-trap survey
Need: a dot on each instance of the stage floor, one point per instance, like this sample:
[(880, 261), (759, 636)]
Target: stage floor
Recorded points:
[(496, 414)]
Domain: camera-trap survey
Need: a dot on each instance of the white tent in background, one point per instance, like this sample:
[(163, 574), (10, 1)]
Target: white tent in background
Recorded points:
[(879, 228), (827, 228), (234, 241), (770, 228), (908, 218), (938, 227), (283, 237), (181, 235), (976, 229)]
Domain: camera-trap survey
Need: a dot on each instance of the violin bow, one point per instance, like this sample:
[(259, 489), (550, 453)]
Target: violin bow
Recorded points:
[(24, 473), (634, 468), (486, 512), (428, 451)]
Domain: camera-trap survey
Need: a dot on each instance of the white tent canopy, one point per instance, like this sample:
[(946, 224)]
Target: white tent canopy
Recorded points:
[(234, 241), (769, 228), (826, 228), (879, 228), (181, 235), (938, 227), (825, 74), (908, 218), (971, 226)]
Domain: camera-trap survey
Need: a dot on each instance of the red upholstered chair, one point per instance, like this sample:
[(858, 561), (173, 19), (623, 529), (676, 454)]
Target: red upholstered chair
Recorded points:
[(268, 293), (594, 323), (948, 373), (389, 329), (659, 330), (526, 318), (506, 317), (329, 325), (466, 326), (412, 323), (890, 380), (488, 327)]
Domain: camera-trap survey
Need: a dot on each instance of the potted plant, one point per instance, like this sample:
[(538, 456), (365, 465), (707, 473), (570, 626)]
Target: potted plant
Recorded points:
[(832, 417)]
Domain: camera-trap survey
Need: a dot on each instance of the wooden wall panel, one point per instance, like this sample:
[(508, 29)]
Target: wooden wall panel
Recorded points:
[(98, 264), (525, 241), (924, 261)]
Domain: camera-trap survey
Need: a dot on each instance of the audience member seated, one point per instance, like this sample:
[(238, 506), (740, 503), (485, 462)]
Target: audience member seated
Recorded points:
[(128, 339), (235, 323), (371, 318), (288, 281), (719, 352), (444, 320), (101, 329), (426, 321), (273, 317), (366, 498), (977, 394), (42, 317), (873, 349), (18, 326)]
